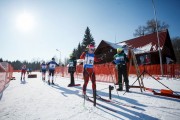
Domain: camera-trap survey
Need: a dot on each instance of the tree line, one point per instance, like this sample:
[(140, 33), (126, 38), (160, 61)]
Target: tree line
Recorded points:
[(35, 65)]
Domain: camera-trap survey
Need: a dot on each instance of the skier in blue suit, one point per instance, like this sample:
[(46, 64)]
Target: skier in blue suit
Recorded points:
[(51, 65)]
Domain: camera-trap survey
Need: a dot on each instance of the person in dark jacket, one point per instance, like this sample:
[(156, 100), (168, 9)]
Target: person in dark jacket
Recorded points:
[(71, 69), (120, 59), (43, 70), (51, 66)]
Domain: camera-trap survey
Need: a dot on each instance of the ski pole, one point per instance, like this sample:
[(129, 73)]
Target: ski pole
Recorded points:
[(113, 81), (162, 84), (112, 77)]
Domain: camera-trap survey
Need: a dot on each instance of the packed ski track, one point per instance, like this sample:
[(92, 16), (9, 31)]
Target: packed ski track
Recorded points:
[(35, 99)]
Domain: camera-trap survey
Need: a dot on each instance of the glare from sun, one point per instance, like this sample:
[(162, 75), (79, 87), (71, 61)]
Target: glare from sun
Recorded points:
[(25, 22)]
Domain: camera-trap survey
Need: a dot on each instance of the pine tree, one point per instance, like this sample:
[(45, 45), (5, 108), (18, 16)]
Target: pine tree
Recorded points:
[(79, 51), (74, 53), (1, 60), (88, 39)]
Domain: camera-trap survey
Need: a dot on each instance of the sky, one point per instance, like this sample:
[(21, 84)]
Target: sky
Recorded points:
[(33, 29)]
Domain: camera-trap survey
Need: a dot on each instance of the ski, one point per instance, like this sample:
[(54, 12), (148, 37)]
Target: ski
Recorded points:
[(113, 101), (103, 99), (100, 98), (74, 85), (103, 106)]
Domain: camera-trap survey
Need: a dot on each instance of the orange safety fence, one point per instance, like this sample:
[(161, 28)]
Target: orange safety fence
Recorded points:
[(6, 72), (169, 70), (16, 70), (108, 73)]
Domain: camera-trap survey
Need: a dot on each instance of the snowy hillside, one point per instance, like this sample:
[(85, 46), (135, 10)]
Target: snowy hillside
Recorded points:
[(35, 100)]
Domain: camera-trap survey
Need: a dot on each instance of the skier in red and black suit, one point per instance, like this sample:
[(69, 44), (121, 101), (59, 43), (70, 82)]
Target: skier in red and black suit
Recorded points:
[(23, 72), (89, 59)]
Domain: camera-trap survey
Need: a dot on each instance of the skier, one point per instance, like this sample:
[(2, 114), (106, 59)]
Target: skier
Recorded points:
[(27, 70), (71, 69), (43, 70), (88, 71), (120, 59), (52, 65), (23, 72)]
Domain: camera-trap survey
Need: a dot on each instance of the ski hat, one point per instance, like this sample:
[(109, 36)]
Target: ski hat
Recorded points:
[(90, 46), (119, 49)]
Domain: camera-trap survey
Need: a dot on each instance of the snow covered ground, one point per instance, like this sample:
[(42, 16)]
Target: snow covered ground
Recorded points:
[(35, 100)]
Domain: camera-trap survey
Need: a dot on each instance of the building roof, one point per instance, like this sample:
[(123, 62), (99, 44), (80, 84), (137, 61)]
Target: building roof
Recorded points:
[(147, 43), (142, 44)]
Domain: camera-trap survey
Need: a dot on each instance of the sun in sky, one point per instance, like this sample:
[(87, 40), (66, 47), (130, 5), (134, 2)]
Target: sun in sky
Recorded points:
[(25, 21)]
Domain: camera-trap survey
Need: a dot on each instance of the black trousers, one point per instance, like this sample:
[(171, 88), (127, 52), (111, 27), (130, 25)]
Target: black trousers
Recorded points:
[(72, 78), (122, 71)]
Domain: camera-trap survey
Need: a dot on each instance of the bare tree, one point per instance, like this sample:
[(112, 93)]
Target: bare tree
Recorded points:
[(176, 47), (140, 31), (150, 27)]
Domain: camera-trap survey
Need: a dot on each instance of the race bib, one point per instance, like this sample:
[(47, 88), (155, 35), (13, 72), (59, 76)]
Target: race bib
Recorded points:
[(89, 61), (52, 66), (43, 66), (71, 64), (120, 58)]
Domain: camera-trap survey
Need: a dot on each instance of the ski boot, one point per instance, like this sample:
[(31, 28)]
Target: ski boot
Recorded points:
[(127, 88), (120, 89), (49, 82), (52, 82), (84, 95)]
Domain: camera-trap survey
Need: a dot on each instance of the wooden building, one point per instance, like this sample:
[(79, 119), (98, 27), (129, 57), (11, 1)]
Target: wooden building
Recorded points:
[(144, 47)]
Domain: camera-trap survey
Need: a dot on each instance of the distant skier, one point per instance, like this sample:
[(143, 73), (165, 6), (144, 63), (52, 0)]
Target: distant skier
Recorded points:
[(71, 69), (27, 70), (88, 66), (23, 72), (30, 70), (43, 70), (51, 66), (120, 59)]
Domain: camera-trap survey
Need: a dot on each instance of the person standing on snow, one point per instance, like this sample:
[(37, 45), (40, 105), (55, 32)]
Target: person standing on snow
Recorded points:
[(71, 69), (120, 59), (88, 70), (43, 70), (23, 72), (51, 66)]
